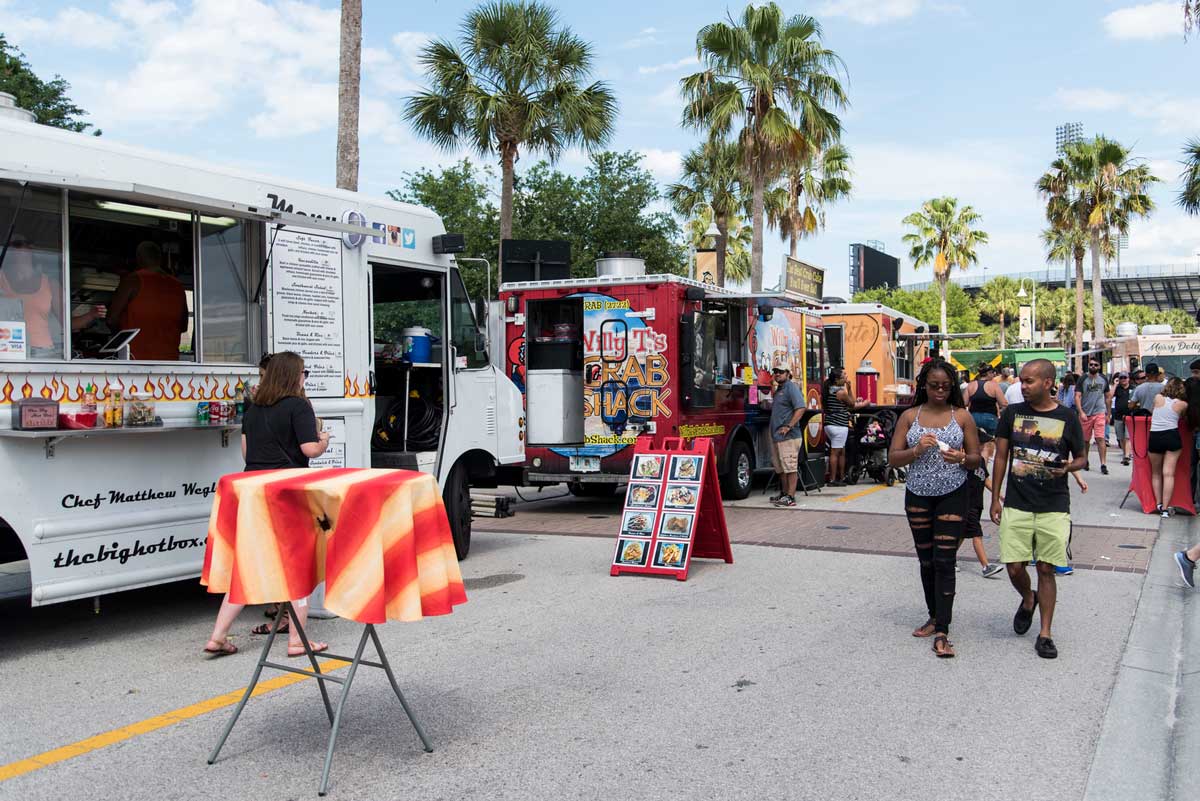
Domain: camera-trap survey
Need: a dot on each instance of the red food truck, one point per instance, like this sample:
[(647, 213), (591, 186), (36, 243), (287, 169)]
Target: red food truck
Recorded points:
[(604, 360)]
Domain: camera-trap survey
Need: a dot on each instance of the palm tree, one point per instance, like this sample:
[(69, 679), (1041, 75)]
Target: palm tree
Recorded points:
[(811, 182), (945, 236), (998, 298), (515, 82), (349, 73), (774, 79), (1189, 195), (1065, 240), (1103, 188), (711, 176)]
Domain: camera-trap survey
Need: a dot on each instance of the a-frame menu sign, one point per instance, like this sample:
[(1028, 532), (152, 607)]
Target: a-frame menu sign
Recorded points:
[(673, 510)]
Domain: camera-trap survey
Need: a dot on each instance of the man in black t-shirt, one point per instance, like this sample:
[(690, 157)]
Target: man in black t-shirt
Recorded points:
[(1037, 443)]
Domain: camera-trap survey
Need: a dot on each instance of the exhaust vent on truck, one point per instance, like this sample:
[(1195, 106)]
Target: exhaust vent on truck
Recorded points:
[(9, 109), (619, 264)]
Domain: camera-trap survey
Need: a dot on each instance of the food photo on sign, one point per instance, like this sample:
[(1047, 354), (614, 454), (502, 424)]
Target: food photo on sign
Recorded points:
[(670, 555), (681, 496), (686, 468), (644, 495), (676, 525), (632, 552), (638, 524), (648, 467)]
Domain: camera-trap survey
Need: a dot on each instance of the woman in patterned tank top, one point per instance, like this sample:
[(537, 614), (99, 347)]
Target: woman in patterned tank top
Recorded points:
[(938, 441)]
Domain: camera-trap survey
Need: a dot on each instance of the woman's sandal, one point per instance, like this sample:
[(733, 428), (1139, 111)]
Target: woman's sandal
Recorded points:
[(265, 628), (947, 649), (924, 630), (272, 611), (317, 647), (225, 648)]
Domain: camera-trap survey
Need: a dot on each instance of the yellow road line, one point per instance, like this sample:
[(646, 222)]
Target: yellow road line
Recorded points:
[(861, 493), (95, 743)]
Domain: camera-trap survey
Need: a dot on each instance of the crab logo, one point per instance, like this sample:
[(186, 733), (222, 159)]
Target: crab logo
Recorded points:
[(516, 358)]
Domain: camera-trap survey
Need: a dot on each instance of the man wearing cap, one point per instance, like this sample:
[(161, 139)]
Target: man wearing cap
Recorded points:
[(1145, 393), (787, 405)]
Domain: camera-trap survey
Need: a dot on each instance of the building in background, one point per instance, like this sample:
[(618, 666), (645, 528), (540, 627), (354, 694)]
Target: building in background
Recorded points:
[(870, 267)]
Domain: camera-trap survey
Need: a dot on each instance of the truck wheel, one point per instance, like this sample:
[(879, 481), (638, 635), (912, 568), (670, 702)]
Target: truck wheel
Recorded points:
[(456, 495), (592, 490), (739, 472)]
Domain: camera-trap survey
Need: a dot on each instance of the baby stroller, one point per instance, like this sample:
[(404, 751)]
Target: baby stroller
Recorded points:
[(867, 448)]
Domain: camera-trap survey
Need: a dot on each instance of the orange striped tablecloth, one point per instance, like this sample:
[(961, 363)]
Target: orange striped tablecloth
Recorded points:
[(378, 538)]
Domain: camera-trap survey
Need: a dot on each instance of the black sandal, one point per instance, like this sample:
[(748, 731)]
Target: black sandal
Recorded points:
[(265, 628), (947, 650)]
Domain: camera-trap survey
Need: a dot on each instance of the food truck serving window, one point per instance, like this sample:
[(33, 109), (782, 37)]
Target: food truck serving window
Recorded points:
[(179, 278)]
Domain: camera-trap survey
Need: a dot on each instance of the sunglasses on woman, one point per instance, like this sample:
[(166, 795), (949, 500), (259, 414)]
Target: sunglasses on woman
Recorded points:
[(939, 387)]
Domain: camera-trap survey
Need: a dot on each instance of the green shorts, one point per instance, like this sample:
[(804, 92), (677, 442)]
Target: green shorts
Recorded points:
[(1023, 533)]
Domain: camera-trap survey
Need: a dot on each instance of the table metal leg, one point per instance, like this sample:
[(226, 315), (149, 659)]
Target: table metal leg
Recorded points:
[(387, 668), (262, 660), (337, 717), (311, 658)]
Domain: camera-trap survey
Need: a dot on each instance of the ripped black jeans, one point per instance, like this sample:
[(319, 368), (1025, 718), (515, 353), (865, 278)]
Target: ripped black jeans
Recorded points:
[(937, 529)]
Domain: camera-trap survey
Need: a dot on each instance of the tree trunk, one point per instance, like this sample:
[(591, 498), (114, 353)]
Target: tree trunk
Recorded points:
[(1003, 333), (941, 282), (1097, 291), (508, 157), (794, 241), (1078, 313), (349, 74), (756, 241), (722, 246)]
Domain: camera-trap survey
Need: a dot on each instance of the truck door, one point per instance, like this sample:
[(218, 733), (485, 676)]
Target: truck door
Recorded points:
[(471, 423)]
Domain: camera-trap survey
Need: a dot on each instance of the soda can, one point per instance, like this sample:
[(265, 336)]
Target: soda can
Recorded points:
[(203, 413), (217, 411)]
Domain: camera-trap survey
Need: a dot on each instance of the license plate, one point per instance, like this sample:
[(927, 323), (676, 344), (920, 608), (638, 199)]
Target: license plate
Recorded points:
[(585, 464)]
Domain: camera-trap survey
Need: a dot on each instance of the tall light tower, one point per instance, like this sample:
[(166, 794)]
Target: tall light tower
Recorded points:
[(1067, 134)]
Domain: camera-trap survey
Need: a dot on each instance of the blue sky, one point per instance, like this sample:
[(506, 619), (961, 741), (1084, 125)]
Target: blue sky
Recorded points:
[(947, 97)]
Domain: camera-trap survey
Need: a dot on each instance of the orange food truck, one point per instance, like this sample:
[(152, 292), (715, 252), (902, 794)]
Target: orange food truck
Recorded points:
[(882, 349), (602, 361)]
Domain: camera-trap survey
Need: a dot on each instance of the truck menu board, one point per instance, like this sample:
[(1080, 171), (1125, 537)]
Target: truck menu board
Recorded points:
[(672, 510), (306, 280)]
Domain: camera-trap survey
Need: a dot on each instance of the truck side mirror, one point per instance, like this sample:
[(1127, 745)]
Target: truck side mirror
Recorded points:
[(481, 310)]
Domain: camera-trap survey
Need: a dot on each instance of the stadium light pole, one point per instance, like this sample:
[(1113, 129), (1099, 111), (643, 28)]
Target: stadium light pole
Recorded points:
[(1067, 134)]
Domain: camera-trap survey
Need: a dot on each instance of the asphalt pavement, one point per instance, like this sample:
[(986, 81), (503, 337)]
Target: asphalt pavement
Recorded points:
[(788, 674)]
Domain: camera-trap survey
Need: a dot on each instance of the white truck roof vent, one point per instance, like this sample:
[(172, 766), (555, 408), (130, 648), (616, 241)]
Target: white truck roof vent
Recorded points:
[(9, 109), (619, 264)]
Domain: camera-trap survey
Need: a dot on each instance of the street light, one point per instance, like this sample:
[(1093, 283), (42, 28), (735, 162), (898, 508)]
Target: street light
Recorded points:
[(1033, 310)]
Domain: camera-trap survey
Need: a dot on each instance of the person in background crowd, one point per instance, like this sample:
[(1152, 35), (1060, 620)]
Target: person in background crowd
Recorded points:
[(836, 404), (153, 301), (1148, 389), (1165, 443), (936, 438), (1094, 396), (1192, 385), (985, 399), (1033, 443), (1120, 408), (787, 406), (1013, 393), (978, 480), (1066, 391), (279, 430), (41, 300), (1006, 380)]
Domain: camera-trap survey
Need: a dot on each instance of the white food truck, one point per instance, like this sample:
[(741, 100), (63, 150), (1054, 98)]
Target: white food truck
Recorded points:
[(212, 268)]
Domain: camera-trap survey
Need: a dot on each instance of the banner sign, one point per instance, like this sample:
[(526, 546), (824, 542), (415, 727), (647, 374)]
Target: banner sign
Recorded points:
[(803, 278), (672, 511), (706, 267), (1025, 332)]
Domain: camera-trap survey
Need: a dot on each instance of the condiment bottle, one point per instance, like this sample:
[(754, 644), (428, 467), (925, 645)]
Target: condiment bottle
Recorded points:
[(114, 412), (89, 399)]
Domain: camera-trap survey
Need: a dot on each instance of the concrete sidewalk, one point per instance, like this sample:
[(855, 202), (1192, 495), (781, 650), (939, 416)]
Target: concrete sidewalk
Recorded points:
[(788, 674)]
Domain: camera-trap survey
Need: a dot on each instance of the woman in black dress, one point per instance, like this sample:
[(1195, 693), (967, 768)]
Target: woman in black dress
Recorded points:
[(279, 430)]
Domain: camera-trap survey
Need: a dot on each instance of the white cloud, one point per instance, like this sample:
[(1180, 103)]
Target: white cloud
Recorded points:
[(870, 12), (664, 164), (1146, 21), (72, 26), (644, 37), (670, 66), (1173, 115)]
